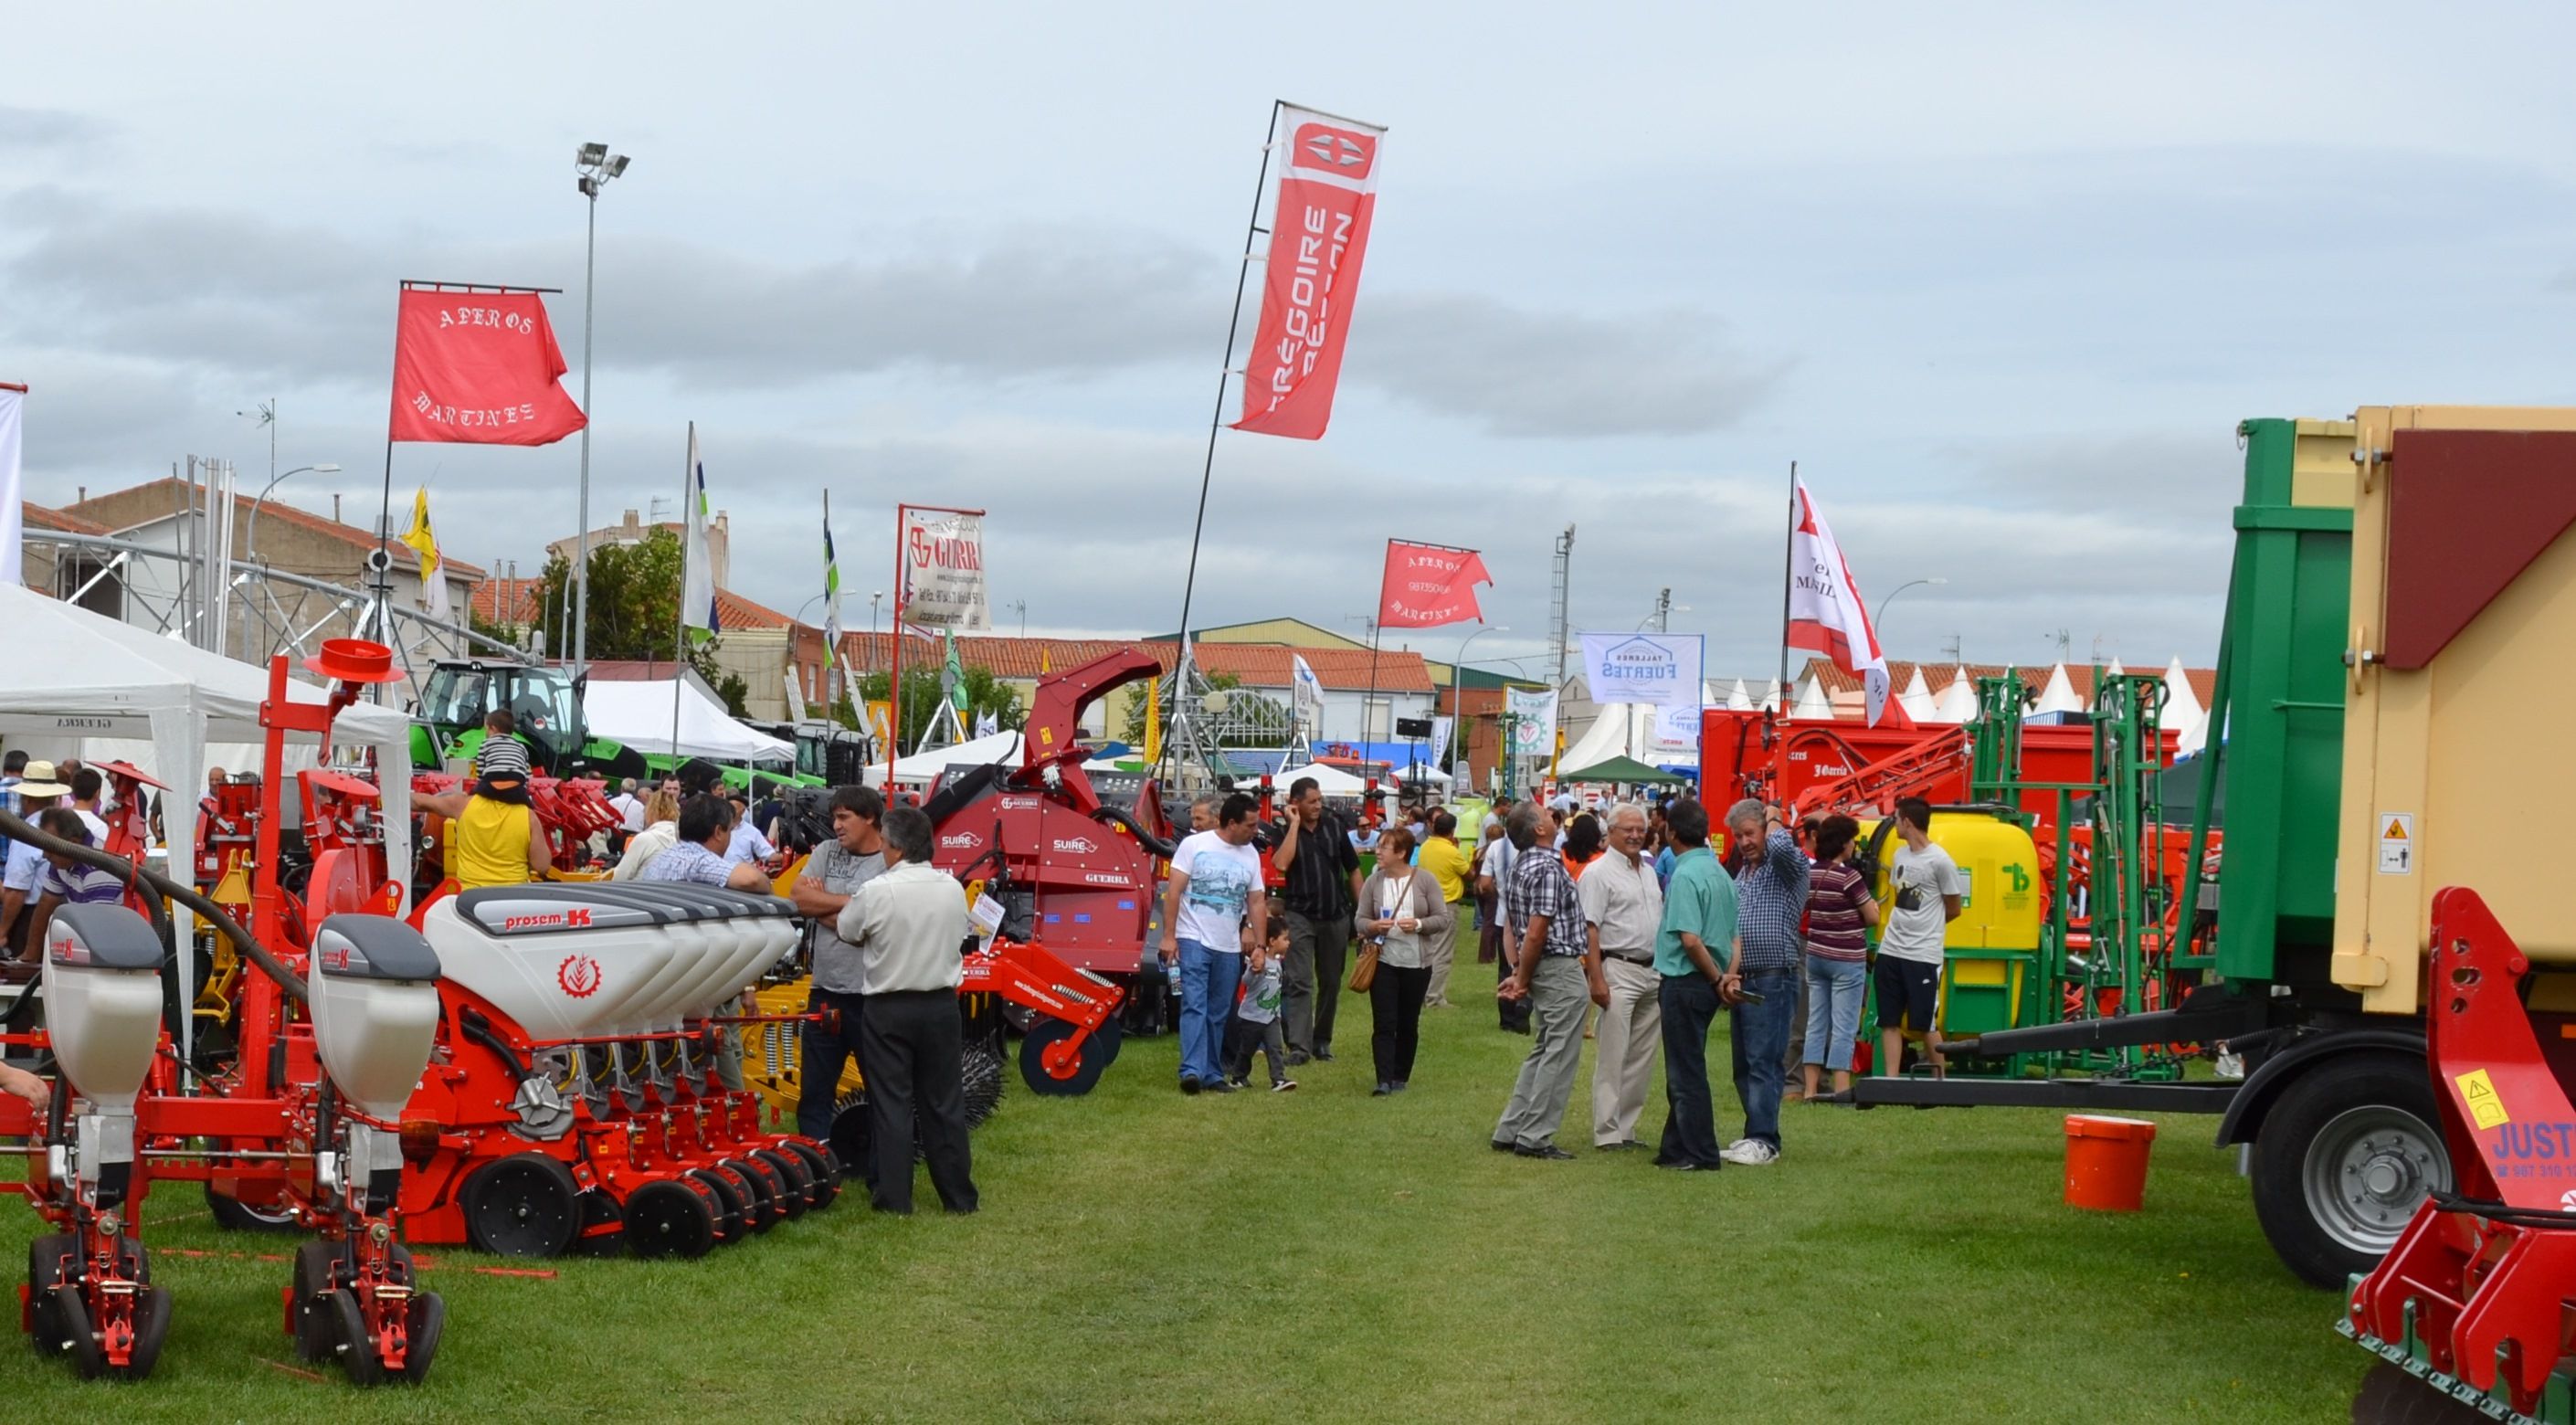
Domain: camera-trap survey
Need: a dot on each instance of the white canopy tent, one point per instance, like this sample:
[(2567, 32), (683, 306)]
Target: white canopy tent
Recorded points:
[(1958, 700), (1814, 703), (639, 715), (1331, 781), (2183, 712), (1917, 698), (1739, 698), (925, 767), (80, 682), (2058, 694)]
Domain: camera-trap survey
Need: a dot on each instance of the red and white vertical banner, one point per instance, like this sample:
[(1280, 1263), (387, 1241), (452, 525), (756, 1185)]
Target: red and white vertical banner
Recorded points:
[(1826, 614), (13, 487), (1318, 235)]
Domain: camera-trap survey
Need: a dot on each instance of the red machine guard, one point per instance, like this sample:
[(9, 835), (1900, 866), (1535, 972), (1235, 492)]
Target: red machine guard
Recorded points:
[(2479, 1297)]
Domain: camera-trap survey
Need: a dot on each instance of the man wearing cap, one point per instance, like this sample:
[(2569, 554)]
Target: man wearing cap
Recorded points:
[(493, 836), (19, 884)]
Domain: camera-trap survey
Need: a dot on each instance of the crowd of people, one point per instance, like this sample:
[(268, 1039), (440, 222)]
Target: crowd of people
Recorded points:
[(1623, 927)]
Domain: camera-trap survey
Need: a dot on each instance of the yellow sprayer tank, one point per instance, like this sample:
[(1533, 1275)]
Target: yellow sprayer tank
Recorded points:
[(2463, 623), (1990, 956)]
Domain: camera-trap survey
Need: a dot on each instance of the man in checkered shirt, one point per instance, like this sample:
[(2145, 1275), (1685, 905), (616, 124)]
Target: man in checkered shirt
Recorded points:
[(1771, 905), (1556, 971)]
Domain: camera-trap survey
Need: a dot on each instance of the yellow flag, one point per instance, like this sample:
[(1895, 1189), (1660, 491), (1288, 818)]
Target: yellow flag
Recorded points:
[(424, 542)]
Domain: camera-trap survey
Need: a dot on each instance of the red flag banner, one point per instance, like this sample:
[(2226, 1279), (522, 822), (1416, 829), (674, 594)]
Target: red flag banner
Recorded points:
[(480, 368), (1427, 585), (1826, 614), (1318, 233)]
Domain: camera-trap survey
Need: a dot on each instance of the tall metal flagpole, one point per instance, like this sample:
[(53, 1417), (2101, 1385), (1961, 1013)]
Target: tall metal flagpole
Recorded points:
[(1207, 467), (1788, 577), (680, 631), (1377, 630), (894, 677)]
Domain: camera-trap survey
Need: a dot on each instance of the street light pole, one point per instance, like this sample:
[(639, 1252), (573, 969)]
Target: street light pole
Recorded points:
[(250, 538), (1881, 620), (596, 166), (1458, 680)]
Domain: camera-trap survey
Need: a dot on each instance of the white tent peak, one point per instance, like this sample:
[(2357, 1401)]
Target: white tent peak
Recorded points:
[(2057, 695), (1958, 701), (1917, 697), (1813, 703)]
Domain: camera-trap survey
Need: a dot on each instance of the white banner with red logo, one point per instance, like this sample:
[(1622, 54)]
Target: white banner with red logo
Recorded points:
[(1826, 614), (1318, 234), (943, 570)]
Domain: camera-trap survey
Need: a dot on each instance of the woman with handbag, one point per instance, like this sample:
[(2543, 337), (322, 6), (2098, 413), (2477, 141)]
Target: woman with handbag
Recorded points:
[(1401, 908)]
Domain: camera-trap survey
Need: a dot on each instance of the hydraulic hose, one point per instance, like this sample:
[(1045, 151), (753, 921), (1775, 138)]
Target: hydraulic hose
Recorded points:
[(184, 894)]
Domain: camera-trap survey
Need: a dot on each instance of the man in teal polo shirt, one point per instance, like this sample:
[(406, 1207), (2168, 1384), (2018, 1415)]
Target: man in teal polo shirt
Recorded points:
[(1695, 953)]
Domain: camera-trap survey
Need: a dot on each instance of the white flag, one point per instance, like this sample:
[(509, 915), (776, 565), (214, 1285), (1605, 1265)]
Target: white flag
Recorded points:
[(1826, 614), (13, 490), (1307, 695), (698, 573)]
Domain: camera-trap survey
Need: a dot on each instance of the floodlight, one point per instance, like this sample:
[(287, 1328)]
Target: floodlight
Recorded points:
[(617, 166), (591, 155)]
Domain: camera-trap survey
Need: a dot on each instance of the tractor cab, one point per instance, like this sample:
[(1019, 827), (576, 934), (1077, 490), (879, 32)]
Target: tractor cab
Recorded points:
[(829, 752), (460, 693)]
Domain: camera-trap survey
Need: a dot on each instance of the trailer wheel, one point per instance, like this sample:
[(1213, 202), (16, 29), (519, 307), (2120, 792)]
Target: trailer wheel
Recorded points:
[(733, 1203), (666, 1219), (822, 1165), (49, 1260), (428, 1322), (76, 1332), (151, 1332), (311, 1313), (2343, 1159), (357, 1349), (524, 1205), (235, 1215), (1067, 1077)]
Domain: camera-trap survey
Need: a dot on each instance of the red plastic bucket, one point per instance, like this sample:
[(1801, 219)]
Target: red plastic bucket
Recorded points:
[(2106, 1162)]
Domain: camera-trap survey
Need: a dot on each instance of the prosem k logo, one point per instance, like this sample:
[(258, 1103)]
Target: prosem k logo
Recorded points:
[(579, 976), (1336, 150)]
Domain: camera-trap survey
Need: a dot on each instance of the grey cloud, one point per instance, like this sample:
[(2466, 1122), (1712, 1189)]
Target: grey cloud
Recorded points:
[(1525, 373), (23, 130), (2185, 479)]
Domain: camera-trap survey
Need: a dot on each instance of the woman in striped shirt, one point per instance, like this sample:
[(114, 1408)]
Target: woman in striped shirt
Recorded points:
[(1839, 914)]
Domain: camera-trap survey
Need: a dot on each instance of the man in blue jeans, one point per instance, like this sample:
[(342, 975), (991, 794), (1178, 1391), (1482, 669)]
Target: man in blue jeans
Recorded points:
[(1771, 900), (1214, 912), (1693, 943)]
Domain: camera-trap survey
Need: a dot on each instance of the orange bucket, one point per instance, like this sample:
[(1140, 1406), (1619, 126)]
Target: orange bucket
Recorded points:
[(2106, 1162)]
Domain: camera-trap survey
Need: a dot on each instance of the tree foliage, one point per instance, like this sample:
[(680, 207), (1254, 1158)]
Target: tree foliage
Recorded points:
[(634, 605), (985, 694)]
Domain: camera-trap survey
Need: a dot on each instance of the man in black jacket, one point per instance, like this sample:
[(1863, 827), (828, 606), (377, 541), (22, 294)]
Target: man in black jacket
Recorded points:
[(1322, 871)]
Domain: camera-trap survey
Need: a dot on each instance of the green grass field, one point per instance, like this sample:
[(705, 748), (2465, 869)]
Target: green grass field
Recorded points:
[(1325, 1255)]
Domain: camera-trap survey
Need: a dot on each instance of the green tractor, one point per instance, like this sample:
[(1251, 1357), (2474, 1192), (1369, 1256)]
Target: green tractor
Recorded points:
[(460, 693)]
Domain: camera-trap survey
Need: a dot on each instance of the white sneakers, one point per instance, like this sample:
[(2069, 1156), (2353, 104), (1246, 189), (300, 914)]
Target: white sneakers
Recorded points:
[(1749, 1153)]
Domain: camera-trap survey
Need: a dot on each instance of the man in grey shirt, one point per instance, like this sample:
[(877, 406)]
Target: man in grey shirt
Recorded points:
[(853, 857)]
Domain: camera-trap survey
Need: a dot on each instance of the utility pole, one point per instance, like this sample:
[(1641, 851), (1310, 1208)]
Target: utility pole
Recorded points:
[(596, 165), (1557, 613)]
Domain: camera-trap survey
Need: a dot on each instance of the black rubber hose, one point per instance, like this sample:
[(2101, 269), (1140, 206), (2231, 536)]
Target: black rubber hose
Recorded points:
[(125, 871), (184, 894)]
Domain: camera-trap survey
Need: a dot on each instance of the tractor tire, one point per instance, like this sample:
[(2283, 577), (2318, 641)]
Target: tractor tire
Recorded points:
[(1096, 1052), (524, 1205), (2343, 1159)]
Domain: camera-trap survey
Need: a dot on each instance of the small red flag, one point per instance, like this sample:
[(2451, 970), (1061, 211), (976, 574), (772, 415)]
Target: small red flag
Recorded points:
[(479, 368), (1427, 585)]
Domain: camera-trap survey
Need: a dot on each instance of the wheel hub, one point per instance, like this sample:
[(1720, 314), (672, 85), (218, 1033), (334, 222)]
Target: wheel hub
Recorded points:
[(2367, 1170)]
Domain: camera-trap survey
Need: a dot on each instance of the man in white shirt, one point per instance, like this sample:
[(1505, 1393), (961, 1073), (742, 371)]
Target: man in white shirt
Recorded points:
[(1925, 893), (630, 814), (909, 926), (21, 882), (1623, 904), (1213, 907)]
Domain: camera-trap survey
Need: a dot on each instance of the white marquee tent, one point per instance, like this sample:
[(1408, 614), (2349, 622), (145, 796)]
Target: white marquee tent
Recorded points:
[(639, 715), (925, 767), (80, 683)]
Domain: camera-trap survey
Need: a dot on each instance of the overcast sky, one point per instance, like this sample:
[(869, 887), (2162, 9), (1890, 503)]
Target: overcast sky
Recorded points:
[(2001, 278)]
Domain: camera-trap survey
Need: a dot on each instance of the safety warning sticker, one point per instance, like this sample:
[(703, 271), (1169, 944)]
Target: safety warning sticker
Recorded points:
[(2478, 1095), (2397, 843)]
